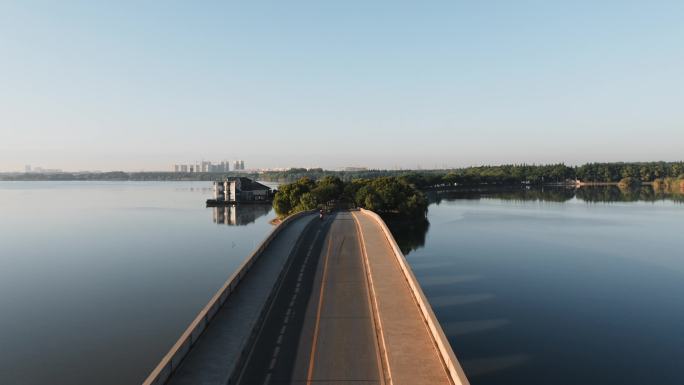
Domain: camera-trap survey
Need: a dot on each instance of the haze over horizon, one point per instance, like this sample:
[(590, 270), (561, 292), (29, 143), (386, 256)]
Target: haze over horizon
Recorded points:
[(131, 86)]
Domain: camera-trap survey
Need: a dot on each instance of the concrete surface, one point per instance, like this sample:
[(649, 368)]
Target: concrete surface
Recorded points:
[(321, 328), (214, 356), (410, 350), (345, 309)]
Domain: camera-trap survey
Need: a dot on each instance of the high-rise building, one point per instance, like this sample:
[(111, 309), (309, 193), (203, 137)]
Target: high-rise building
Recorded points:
[(205, 166), (242, 165)]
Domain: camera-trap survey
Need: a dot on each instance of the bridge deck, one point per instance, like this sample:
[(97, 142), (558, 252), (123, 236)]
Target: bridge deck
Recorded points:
[(344, 312), (410, 350), (213, 359), (320, 329), (331, 326)]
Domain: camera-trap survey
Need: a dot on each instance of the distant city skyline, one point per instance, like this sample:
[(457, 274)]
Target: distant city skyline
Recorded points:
[(130, 86)]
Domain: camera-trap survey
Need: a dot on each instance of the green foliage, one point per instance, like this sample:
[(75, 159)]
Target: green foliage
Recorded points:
[(511, 174), (629, 182), (614, 172), (294, 197), (387, 195)]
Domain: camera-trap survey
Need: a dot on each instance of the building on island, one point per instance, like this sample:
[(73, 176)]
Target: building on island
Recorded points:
[(239, 215), (240, 190)]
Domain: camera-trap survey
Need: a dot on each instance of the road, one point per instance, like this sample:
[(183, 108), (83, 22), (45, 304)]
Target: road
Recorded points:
[(320, 328)]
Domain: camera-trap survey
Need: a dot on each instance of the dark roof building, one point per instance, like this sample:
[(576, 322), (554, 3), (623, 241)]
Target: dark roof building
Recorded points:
[(241, 189)]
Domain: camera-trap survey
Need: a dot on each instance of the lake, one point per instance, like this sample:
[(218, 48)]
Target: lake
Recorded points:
[(557, 287), (98, 279)]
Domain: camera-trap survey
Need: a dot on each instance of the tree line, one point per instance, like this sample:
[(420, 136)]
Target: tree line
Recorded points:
[(487, 175), (503, 174), (384, 195), (644, 172)]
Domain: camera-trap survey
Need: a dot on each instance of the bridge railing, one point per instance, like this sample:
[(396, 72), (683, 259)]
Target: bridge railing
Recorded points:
[(170, 362), (449, 359)]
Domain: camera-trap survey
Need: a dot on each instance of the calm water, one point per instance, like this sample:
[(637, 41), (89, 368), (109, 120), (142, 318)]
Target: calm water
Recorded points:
[(557, 291), (97, 280)]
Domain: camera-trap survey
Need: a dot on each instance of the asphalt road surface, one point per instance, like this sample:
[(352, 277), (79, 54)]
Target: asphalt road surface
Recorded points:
[(320, 328)]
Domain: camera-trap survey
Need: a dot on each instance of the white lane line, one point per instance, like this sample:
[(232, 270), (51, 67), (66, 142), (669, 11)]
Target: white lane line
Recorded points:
[(280, 339), (272, 365), (268, 379), (276, 351), (282, 330)]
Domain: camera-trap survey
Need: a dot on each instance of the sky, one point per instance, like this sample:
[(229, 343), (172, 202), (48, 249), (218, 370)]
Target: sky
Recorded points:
[(141, 85)]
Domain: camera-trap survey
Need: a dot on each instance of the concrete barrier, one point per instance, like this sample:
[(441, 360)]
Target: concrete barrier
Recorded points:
[(449, 359), (170, 362)]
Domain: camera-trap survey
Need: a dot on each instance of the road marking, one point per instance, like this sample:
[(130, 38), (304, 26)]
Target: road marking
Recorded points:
[(296, 248), (282, 330), (318, 315), (280, 339), (272, 365), (276, 351), (268, 379)]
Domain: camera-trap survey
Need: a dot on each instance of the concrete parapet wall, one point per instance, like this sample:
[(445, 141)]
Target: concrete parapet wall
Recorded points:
[(170, 362), (454, 369)]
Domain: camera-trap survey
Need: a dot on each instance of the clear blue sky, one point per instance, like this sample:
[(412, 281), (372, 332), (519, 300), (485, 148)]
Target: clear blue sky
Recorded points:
[(141, 85)]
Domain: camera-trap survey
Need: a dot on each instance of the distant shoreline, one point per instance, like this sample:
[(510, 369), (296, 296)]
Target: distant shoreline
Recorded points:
[(142, 177)]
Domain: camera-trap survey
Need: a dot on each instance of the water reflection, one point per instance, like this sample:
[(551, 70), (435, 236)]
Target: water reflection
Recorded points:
[(241, 215), (644, 193), (618, 194), (409, 234), (533, 294)]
